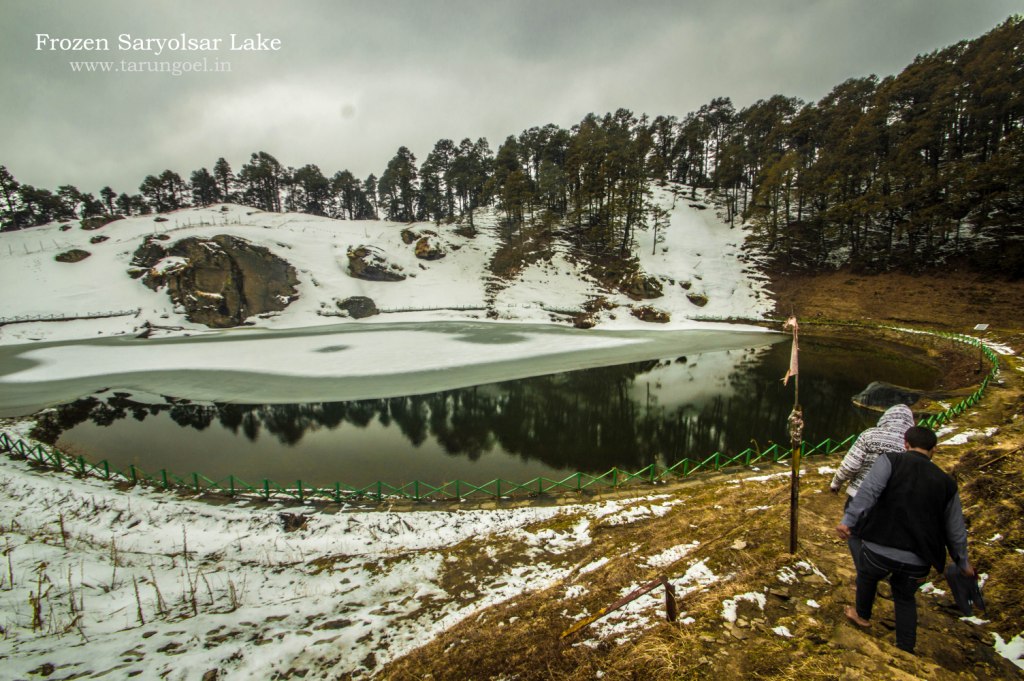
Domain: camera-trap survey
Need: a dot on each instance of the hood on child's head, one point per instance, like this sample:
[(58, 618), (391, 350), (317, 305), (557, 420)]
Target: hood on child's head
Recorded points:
[(897, 419)]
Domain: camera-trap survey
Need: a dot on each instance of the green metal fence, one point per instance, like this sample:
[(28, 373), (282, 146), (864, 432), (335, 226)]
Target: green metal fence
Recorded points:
[(268, 490)]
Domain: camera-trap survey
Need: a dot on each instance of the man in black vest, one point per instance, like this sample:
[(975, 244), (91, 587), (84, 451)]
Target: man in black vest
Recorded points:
[(907, 513)]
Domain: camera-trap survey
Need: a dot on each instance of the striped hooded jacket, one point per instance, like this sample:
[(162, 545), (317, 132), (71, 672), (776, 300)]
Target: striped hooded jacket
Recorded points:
[(887, 436)]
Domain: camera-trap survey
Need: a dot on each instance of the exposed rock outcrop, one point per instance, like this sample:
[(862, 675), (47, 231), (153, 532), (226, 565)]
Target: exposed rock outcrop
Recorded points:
[(97, 221), (641, 287), (358, 307), (411, 236), (74, 255), (147, 255), (427, 248), (368, 263), (698, 299), (879, 395), (646, 313), (219, 281)]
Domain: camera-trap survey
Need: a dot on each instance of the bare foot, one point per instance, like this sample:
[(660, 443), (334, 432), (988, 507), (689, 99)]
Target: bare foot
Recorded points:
[(851, 614)]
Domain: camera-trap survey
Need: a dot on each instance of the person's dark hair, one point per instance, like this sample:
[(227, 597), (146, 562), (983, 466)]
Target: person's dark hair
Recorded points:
[(919, 437)]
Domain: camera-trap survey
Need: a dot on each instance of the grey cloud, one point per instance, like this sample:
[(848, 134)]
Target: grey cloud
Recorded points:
[(355, 80)]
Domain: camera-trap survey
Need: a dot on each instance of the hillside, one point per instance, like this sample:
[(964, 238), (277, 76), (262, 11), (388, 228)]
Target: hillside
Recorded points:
[(697, 258)]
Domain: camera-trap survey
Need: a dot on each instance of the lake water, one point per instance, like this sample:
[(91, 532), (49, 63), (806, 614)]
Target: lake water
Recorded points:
[(626, 415)]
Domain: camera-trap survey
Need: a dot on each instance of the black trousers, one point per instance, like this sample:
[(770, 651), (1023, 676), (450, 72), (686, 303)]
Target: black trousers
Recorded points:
[(904, 578)]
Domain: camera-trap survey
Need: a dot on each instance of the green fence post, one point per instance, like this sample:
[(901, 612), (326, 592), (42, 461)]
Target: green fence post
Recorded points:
[(499, 488), (457, 494), (106, 470), (266, 490), (416, 490), (195, 481), (299, 482), (231, 484), (380, 493), (163, 475), (131, 469)]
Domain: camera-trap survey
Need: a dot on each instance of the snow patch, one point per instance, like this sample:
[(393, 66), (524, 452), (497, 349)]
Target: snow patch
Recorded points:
[(730, 605), (1012, 650), (671, 555)]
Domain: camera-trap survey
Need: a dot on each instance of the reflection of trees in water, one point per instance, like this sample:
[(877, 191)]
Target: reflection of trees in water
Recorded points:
[(586, 420)]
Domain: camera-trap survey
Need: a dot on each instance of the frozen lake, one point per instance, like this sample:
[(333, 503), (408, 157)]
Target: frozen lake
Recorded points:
[(590, 401)]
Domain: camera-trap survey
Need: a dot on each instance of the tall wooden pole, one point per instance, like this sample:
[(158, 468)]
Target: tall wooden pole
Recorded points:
[(796, 430), (795, 433)]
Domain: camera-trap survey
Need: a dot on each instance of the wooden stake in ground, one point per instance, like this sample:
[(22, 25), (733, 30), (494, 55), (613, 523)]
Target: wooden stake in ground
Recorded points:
[(796, 429), (796, 432), (671, 612)]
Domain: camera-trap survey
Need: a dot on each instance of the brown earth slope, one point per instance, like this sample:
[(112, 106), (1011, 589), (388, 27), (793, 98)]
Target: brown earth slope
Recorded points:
[(740, 523), (951, 301)]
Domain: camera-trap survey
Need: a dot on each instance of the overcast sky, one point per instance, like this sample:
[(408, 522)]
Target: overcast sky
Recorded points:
[(353, 81)]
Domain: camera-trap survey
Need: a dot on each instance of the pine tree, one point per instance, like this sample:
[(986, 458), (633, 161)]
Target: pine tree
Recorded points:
[(225, 179), (9, 190), (398, 187), (108, 195), (205, 189)]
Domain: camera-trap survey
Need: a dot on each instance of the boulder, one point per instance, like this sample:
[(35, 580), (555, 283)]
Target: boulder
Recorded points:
[(223, 280), (880, 395), (646, 313), (410, 236), (584, 321), (640, 287), (368, 263), (427, 248), (97, 221), (98, 239), (74, 255), (698, 299), (358, 307)]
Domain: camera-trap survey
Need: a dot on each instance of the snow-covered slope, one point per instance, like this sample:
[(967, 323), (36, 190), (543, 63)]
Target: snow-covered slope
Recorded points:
[(697, 250)]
